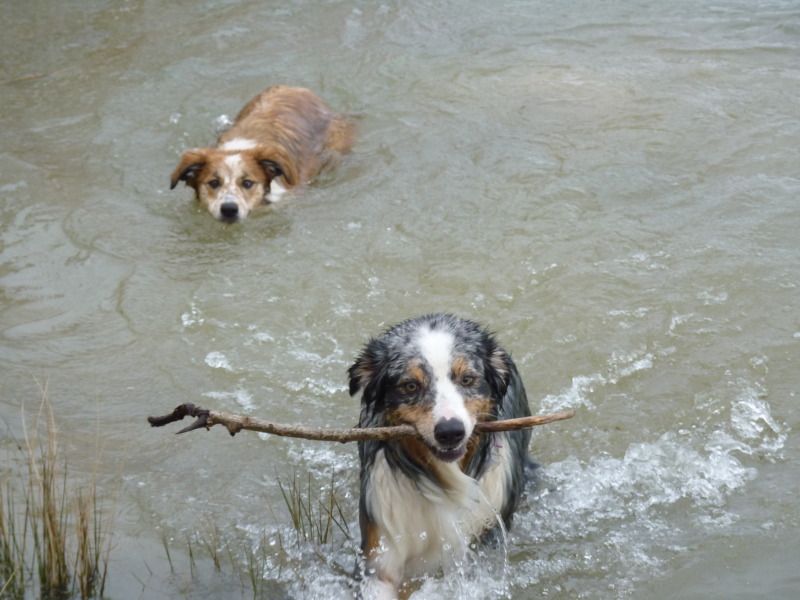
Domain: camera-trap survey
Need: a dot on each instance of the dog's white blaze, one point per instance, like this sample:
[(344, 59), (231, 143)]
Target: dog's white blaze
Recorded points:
[(436, 348), (234, 161), (238, 144), (231, 192)]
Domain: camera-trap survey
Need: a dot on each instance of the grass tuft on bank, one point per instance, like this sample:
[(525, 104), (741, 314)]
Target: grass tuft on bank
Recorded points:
[(55, 539)]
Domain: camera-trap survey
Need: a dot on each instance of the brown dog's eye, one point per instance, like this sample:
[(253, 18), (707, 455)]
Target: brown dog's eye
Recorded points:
[(409, 387), (467, 380), (248, 183), (214, 184)]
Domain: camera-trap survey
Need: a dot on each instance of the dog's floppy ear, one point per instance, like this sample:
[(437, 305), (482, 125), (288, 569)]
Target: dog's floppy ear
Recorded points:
[(271, 168), (367, 368), (192, 162), (276, 162), (497, 366)]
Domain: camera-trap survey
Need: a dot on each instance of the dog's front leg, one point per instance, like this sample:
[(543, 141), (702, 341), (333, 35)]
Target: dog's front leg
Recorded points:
[(383, 574)]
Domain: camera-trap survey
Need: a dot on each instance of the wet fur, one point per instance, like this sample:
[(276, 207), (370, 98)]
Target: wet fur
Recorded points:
[(280, 140), (414, 504)]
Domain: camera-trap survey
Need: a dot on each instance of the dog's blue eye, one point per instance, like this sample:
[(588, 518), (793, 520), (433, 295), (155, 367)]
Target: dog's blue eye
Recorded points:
[(214, 184), (247, 184)]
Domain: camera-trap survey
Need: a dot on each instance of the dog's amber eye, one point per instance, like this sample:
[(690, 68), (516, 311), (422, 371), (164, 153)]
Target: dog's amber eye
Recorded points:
[(248, 183), (409, 387), (467, 380), (214, 184)]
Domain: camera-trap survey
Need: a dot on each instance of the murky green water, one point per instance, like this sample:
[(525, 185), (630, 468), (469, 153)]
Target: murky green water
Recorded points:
[(612, 188)]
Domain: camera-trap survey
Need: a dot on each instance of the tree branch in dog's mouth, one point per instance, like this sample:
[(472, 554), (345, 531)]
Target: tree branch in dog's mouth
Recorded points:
[(206, 419)]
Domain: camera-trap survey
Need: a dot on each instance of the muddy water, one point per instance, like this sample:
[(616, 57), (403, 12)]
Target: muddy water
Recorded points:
[(613, 189)]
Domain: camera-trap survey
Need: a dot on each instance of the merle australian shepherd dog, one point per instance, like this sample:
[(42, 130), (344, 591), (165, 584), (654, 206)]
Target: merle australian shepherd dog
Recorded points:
[(425, 499)]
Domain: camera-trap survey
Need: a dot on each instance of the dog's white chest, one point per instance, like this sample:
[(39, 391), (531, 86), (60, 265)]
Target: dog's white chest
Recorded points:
[(423, 527)]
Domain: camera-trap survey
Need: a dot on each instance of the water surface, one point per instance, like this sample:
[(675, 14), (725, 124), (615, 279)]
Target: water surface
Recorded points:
[(613, 189)]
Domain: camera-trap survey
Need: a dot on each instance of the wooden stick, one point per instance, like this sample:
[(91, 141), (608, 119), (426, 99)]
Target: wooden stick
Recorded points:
[(235, 423)]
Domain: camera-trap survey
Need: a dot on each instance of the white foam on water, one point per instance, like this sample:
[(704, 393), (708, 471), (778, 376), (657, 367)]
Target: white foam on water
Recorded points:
[(217, 360), (637, 313), (324, 585), (575, 396), (345, 310), (651, 497), (192, 317), (263, 337), (651, 262), (625, 364), (711, 297), (222, 123), (323, 459), (649, 477), (240, 396), (307, 356), (317, 387), (642, 497), (752, 420), (620, 366), (481, 575), (678, 320), (641, 364)]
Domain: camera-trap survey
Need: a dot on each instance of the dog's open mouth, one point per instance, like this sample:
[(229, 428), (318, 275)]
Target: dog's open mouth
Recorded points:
[(449, 454)]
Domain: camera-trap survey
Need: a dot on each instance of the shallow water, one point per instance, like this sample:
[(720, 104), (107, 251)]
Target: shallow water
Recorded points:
[(612, 188)]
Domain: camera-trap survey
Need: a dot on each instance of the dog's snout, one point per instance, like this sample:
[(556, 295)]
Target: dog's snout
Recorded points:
[(229, 210), (449, 432)]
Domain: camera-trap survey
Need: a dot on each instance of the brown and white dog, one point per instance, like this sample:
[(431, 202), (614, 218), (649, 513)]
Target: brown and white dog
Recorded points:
[(280, 140), (424, 500)]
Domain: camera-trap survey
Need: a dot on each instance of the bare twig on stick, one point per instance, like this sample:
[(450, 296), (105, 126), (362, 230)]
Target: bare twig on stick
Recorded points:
[(235, 423)]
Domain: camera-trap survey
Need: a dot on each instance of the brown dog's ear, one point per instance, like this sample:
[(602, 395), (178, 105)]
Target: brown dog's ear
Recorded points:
[(271, 168), (276, 162), (192, 162)]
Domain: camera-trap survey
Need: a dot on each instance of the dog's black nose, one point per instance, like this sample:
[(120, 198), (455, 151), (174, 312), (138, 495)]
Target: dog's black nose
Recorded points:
[(229, 210), (449, 432)]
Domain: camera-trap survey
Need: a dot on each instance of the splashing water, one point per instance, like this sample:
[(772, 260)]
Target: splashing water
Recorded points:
[(653, 498)]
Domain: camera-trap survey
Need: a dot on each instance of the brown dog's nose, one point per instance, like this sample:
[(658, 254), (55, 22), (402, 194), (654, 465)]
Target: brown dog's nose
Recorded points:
[(449, 432), (229, 210)]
